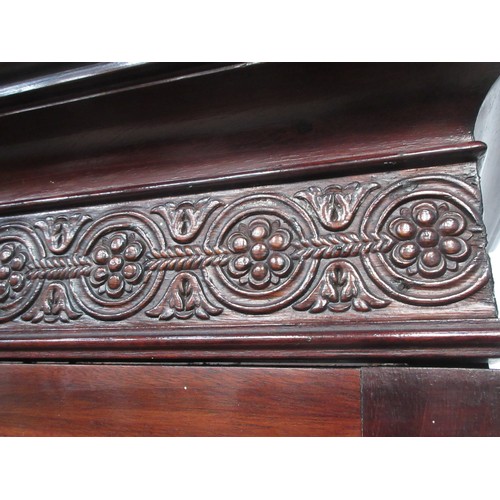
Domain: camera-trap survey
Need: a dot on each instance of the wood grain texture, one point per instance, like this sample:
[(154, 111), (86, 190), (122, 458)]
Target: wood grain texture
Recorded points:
[(148, 400), (110, 400), (130, 165), (431, 402), (232, 126)]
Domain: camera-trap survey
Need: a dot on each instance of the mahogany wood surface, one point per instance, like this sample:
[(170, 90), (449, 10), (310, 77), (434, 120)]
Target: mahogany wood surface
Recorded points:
[(364, 176), (149, 400), (361, 248), (177, 160), (236, 125), (111, 400), (430, 402), (412, 341)]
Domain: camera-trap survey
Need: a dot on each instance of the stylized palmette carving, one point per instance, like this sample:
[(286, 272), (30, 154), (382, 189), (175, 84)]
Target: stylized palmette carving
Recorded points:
[(340, 288), (184, 220), (53, 305), (419, 240), (60, 231), (184, 299), (335, 206)]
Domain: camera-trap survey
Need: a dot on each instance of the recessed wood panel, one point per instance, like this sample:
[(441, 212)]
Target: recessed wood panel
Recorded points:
[(110, 400), (431, 402)]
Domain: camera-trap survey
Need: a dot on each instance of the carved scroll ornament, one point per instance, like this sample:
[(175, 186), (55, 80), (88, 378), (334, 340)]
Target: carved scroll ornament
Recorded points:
[(416, 241)]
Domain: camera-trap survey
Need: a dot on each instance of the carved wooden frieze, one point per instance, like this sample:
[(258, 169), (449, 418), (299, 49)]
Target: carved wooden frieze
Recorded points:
[(375, 247)]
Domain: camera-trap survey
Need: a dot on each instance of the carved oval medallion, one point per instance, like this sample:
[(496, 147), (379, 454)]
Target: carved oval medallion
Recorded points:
[(118, 283), (437, 252), (262, 273), (19, 246)]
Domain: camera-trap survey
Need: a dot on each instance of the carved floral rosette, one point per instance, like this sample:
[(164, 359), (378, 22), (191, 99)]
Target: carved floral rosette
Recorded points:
[(346, 248), (261, 274), (119, 283), (438, 256), (19, 247)]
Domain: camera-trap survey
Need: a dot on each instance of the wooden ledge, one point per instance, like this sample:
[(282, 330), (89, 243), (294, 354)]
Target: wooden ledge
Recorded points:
[(466, 340)]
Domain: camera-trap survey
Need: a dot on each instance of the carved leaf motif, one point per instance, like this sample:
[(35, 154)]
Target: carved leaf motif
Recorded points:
[(53, 305), (340, 289), (260, 255), (60, 231), (336, 206), (183, 299), (185, 219)]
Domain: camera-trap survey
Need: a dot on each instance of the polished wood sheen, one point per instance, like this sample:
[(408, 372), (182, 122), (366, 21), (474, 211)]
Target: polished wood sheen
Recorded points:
[(245, 211), (357, 248), (149, 400), (295, 218), (431, 402), (110, 400), (237, 126)]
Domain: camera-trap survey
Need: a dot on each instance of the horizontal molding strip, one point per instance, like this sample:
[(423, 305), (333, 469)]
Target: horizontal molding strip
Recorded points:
[(335, 167), (469, 339), (361, 248)]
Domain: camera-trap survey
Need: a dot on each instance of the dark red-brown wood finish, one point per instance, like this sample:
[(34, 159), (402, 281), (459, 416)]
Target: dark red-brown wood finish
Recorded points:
[(245, 211), (110, 400), (238, 125), (430, 402), (121, 400), (304, 219)]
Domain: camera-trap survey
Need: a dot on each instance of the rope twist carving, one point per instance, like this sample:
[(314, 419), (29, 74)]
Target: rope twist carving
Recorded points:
[(342, 245), (188, 257), (60, 267)]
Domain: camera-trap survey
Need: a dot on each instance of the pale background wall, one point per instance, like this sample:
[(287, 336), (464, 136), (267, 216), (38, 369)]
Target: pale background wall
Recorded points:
[(487, 129)]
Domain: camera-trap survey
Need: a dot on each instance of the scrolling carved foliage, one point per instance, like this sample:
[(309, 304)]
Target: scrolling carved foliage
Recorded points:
[(358, 248)]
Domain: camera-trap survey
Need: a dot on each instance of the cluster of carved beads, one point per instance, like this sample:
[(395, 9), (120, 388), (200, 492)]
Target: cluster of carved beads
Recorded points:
[(431, 239), (260, 259), (260, 253), (12, 265), (117, 267)]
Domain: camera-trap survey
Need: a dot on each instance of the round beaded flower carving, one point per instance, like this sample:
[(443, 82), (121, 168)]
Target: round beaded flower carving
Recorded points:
[(432, 239), (12, 264), (117, 267), (260, 259)]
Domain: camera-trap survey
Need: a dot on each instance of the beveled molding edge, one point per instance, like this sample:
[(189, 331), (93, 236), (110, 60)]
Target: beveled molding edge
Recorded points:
[(473, 341), (469, 151)]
